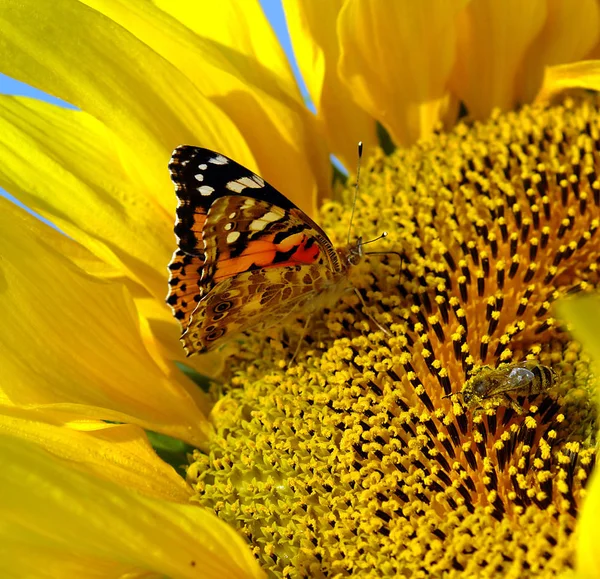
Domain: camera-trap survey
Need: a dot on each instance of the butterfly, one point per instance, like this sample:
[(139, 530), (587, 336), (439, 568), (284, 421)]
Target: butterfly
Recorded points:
[(247, 257)]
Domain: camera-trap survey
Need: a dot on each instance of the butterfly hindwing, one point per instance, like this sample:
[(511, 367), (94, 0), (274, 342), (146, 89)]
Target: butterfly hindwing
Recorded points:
[(256, 300)]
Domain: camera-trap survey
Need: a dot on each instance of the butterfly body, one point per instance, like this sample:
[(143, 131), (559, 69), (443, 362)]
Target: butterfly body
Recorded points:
[(248, 258)]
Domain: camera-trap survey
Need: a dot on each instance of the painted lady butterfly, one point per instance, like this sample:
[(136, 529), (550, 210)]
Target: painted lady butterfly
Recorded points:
[(248, 257)]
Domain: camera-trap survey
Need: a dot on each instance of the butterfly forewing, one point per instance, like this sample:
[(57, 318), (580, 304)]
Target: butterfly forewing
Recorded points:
[(230, 225), (202, 176), (184, 290)]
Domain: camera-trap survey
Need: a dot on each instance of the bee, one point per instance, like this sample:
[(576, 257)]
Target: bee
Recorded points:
[(494, 384)]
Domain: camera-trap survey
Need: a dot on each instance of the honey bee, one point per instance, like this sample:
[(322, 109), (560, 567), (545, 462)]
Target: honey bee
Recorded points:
[(494, 384)]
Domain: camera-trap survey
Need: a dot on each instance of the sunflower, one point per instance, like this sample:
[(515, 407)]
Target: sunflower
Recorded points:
[(355, 456)]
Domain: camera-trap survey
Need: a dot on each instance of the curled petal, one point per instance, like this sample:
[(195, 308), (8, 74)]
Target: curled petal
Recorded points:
[(570, 31), (584, 74), (116, 452), (72, 342)]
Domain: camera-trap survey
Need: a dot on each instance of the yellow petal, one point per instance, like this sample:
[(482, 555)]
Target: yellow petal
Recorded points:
[(312, 26), (71, 518), (229, 52), (583, 314), (72, 342), (61, 163), (117, 453), (161, 333), (493, 38), (570, 31), (588, 555), (584, 75), (396, 58), (86, 59)]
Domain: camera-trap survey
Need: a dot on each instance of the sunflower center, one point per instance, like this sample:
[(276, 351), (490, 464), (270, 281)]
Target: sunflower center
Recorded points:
[(352, 459)]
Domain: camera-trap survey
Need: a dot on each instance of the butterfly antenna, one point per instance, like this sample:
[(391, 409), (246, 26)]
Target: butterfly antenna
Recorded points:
[(360, 150), (384, 234)]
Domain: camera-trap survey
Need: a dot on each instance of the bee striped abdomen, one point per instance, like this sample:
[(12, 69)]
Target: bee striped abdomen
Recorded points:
[(544, 378)]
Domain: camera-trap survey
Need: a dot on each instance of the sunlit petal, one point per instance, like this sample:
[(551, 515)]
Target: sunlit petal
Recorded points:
[(396, 58), (118, 453), (584, 317), (75, 517), (588, 555), (144, 101), (233, 57), (493, 38), (317, 51), (73, 176)]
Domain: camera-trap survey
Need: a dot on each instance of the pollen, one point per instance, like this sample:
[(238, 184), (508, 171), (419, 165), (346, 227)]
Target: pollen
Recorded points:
[(347, 451)]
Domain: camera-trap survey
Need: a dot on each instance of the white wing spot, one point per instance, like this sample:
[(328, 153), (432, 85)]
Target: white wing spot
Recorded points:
[(260, 224), (199, 177), (235, 186), (271, 216), (257, 225), (232, 215), (203, 167), (228, 226), (254, 182), (218, 160), (249, 203), (206, 190), (233, 236)]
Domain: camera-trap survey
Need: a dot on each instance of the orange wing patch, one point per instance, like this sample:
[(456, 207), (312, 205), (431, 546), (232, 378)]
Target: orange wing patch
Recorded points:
[(184, 291)]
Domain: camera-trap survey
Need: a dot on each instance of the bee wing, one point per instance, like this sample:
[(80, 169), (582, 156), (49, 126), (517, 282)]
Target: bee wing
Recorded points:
[(519, 377)]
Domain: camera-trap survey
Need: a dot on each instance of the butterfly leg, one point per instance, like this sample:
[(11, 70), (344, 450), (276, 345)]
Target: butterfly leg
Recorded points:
[(304, 332), (362, 301)]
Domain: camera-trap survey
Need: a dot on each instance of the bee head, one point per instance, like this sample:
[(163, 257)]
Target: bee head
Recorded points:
[(474, 390)]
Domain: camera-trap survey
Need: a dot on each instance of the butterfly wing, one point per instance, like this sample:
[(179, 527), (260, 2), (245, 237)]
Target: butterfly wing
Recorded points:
[(257, 300), (185, 271), (201, 177), (230, 222)]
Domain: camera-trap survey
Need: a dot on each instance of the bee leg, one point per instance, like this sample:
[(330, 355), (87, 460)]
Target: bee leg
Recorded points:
[(478, 411), (514, 404)]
